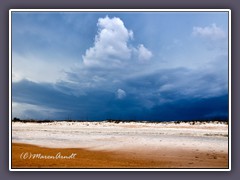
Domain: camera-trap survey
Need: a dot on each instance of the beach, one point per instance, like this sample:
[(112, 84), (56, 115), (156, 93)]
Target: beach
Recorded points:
[(119, 145)]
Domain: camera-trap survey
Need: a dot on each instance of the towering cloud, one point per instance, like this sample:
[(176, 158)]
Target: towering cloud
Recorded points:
[(111, 47)]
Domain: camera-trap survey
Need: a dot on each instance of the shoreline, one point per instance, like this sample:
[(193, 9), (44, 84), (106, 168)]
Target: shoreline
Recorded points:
[(192, 122), (144, 158)]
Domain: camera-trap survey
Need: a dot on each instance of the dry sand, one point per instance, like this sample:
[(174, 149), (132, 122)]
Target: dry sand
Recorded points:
[(123, 145)]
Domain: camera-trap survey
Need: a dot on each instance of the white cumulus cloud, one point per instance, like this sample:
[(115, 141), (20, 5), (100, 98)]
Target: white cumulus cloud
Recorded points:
[(121, 94), (212, 32), (143, 53), (111, 47)]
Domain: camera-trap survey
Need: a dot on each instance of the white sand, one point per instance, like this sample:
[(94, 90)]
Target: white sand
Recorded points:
[(123, 136)]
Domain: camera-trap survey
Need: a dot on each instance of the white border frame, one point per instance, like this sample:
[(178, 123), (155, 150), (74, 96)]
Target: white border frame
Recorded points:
[(119, 10)]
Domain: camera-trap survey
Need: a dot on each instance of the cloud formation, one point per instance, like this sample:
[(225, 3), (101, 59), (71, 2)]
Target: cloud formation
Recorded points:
[(143, 53), (213, 32), (111, 48), (114, 75), (121, 94)]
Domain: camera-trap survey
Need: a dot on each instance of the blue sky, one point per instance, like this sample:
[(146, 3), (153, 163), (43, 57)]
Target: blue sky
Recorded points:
[(120, 65)]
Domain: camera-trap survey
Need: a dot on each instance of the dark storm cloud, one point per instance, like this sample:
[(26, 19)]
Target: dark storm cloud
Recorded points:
[(193, 109), (148, 97), (94, 104)]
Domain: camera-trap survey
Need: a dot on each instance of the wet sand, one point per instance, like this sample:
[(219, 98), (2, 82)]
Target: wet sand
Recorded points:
[(166, 158)]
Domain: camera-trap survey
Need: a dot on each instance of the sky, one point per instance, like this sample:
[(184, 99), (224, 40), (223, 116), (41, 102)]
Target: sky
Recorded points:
[(120, 65)]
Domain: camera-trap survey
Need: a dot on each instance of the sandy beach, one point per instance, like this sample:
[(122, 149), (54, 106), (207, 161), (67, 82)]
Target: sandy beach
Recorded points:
[(119, 145)]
